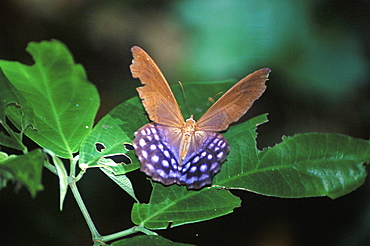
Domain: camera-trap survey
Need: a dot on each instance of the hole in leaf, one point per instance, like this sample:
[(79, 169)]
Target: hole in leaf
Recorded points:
[(169, 225), (99, 147), (119, 158), (128, 146)]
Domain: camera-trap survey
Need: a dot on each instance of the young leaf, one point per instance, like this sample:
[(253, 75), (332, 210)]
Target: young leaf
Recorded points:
[(62, 175), (62, 103), (24, 169), (175, 205)]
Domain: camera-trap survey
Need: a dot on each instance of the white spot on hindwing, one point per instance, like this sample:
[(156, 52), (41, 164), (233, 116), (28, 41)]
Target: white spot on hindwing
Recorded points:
[(203, 167), (150, 167), (167, 153), (165, 163), (204, 176), (155, 158), (214, 165), (161, 173), (172, 174), (191, 180), (196, 159), (219, 155), (142, 142), (193, 169)]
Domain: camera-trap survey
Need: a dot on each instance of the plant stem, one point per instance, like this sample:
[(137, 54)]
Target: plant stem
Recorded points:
[(94, 232), (73, 162), (50, 167), (127, 232)]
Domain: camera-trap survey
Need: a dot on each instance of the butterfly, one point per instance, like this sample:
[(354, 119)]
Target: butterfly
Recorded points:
[(172, 150)]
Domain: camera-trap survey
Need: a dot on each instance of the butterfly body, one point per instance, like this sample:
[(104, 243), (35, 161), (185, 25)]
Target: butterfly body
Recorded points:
[(189, 153)]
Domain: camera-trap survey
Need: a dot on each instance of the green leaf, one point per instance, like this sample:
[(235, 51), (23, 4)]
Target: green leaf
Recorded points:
[(62, 103), (10, 96), (24, 169), (147, 240), (62, 175), (122, 181), (113, 131), (305, 165), (175, 205), (243, 154)]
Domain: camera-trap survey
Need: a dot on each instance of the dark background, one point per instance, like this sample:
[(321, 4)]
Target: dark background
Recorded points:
[(319, 55)]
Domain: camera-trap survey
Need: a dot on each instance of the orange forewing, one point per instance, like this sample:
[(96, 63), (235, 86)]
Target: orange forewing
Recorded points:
[(156, 94), (234, 103)]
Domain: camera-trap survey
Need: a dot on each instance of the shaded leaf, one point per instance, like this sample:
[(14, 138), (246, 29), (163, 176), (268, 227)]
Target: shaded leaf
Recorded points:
[(9, 95), (24, 170)]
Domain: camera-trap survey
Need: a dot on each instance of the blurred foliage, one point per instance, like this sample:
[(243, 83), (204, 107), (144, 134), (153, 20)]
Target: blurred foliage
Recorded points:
[(231, 39)]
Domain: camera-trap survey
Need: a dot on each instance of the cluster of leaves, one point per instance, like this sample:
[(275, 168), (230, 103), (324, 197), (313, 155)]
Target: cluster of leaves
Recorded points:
[(54, 105)]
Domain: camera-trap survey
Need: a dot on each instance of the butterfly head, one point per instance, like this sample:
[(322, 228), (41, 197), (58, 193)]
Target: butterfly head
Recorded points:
[(189, 126)]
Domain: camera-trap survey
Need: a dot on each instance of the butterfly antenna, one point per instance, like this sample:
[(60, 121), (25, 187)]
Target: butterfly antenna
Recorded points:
[(210, 101), (183, 94)]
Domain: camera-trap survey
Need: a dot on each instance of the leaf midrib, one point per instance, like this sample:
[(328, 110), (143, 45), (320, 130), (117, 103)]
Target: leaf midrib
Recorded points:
[(56, 117)]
